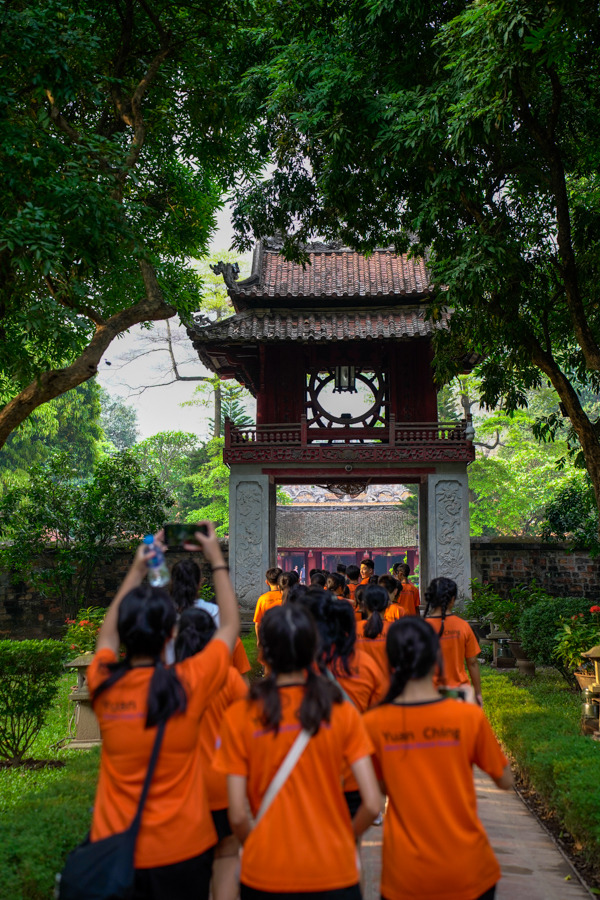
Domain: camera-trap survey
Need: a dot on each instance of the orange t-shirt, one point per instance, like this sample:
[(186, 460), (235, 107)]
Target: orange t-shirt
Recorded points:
[(305, 841), (410, 598), (375, 647), (393, 613), (352, 588), (365, 688), (266, 601), (239, 658), (458, 643), (424, 753), (235, 688), (365, 580), (176, 824)]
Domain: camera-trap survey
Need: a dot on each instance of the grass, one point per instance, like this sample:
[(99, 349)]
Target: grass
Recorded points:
[(249, 642), (538, 722), (44, 813)]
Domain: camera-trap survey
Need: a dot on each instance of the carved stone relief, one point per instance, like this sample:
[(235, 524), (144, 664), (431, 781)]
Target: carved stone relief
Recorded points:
[(250, 510), (449, 549)]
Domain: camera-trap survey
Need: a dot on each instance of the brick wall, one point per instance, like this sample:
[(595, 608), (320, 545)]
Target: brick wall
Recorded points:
[(506, 562), (25, 614)]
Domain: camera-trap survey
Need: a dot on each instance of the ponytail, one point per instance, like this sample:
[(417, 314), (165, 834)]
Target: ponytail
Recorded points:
[(440, 593), (145, 622), (185, 578), (195, 629), (376, 600), (289, 639), (413, 649)]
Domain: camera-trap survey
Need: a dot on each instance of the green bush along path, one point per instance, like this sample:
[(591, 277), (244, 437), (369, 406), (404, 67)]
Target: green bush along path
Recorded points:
[(44, 813), (537, 721)]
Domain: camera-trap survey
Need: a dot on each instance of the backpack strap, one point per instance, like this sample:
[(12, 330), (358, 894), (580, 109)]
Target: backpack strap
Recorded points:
[(283, 773), (135, 825), (329, 674)]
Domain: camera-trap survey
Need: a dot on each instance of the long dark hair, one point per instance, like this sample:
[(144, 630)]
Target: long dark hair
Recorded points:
[(440, 594), (413, 649), (195, 629), (185, 578), (146, 619), (391, 584), (376, 600), (289, 639), (336, 625)]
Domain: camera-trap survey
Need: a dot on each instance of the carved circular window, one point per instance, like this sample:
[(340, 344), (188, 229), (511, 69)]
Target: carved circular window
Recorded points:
[(366, 408)]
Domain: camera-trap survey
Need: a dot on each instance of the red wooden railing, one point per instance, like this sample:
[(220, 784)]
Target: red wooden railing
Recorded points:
[(430, 433)]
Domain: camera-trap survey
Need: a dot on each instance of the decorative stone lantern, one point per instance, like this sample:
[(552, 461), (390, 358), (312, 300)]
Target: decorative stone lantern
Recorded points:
[(87, 730), (594, 655)]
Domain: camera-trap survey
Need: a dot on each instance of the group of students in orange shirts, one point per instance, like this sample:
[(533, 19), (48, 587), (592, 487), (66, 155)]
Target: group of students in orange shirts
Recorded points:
[(295, 766)]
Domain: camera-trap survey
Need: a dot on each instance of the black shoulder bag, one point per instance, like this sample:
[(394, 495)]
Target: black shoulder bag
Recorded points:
[(103, 870)]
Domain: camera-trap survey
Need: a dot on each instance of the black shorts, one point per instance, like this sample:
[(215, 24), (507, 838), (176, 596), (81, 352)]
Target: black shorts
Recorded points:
[(353, 800), (489, 895), (221, 820), (180, 881), (347, 893)]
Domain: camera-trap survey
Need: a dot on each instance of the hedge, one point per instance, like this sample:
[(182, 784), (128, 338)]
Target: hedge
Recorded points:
[(29, 679), (539, 624), (538, 720)]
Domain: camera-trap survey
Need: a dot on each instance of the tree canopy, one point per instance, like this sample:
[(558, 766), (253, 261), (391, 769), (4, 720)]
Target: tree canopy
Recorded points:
[(465, 132), (119, 134)]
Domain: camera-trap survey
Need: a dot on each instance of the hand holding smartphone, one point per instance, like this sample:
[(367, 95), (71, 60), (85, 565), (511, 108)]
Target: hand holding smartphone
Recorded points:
[(179, 533)]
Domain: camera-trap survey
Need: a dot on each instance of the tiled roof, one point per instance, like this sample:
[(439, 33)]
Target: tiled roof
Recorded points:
[(345, 528), (290, 325), (333, 271)]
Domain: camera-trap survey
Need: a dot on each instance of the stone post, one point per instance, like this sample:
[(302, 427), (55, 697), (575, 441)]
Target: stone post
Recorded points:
[(448, 550), (252, 542)]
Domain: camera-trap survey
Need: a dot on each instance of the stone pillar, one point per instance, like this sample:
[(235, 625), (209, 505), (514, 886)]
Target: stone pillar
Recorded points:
[(424, 577), (448, 548), (252, 543)]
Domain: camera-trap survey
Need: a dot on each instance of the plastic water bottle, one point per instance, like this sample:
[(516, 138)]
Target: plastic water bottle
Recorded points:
[(158, 571)]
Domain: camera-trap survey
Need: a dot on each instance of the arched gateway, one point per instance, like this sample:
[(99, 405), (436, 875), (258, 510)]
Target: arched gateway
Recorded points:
[(303, 341)]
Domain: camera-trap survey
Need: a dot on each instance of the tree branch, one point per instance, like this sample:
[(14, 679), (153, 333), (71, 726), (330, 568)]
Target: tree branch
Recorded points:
[(59, 120), (82, 308), (49, 385)]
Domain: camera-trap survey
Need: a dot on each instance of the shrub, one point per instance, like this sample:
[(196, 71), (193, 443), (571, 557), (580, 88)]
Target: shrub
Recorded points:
[(481, 602), (540, 623), (537, 721), (29, 681), (80, 636), (59, 529)]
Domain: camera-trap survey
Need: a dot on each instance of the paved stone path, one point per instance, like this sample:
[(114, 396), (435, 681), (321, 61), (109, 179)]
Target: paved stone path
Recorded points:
[(532, 866)]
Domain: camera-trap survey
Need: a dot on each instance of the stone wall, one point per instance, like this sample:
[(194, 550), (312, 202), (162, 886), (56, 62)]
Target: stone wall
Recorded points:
[(26, 614), (506, 562)]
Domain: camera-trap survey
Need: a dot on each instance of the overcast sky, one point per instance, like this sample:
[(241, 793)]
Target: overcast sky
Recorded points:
[(132, 368)]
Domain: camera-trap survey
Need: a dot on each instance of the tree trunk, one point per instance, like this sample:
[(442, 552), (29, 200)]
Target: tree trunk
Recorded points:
[(582, 425)]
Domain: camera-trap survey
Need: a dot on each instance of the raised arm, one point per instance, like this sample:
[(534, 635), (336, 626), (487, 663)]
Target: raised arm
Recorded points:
[(229, 615), (108, 636)]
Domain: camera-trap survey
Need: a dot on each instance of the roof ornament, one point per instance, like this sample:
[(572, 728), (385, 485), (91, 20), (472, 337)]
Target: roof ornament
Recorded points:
[(229, 271)]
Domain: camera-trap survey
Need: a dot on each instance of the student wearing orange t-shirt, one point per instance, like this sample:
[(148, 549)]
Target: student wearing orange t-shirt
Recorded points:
[(371, 632), (434, 845), (273, 597), (304, 845), (353, 576), (394, 611), (356, 673), (409, 597), (186, 580), (457, 640), (196, 628), (367, 569), (173, 852)]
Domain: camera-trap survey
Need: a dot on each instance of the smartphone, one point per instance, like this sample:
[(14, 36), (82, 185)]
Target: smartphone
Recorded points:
[(179, 533)]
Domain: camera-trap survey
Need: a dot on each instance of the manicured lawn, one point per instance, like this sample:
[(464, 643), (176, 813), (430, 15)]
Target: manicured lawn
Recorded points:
[(537, 720), (45, 812)]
